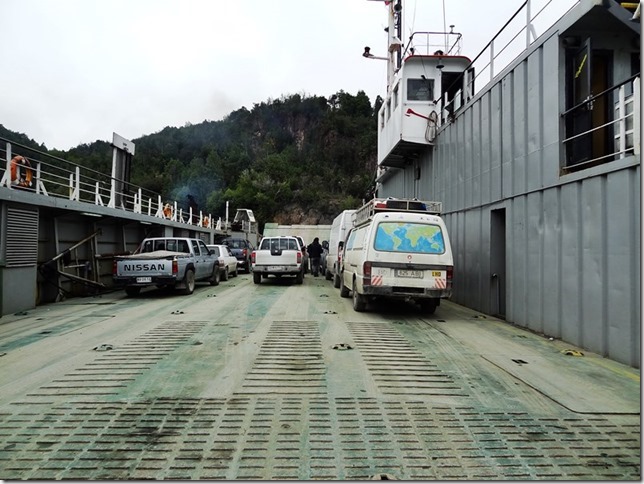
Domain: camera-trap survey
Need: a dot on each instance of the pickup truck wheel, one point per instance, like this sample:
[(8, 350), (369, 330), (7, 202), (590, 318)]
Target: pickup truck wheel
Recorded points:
[(344, 290), (359, 301), (132, 291), (214, 279), (189, 281), (257, 277), (225, 275), (299, 278)]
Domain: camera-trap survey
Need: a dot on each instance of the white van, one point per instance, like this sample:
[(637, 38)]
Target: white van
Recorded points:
[(339, 229), (399, 249)]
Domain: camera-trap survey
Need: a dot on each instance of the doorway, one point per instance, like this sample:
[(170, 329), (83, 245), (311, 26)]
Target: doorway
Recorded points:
[(497, 263)]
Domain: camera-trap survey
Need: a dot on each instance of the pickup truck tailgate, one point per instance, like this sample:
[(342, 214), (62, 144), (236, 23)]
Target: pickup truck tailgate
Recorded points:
[(149, 264)]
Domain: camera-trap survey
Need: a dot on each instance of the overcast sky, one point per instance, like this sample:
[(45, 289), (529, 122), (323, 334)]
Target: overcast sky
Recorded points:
[(77, 70)]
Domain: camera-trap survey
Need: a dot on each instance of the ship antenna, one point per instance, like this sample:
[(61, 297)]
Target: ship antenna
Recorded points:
[(445, 27)]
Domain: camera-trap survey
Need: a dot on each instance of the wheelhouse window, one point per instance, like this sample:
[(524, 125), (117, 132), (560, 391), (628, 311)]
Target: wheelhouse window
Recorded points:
[(420, 89)]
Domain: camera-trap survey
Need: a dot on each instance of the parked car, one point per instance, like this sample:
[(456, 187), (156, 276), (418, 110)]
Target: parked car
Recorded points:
[(398, 248), (325, 254), (227, 261), (339, 229), (241, 249), (305, 255), (176, 262), (278, 256)]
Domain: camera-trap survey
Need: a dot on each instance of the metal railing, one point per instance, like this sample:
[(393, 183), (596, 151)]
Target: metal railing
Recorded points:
[(514, 38), (52, 176), (428, 43), (623, 126)]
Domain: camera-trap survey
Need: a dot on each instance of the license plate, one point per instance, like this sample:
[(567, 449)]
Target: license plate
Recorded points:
[(142, 280), (410, 274), (276, 268)]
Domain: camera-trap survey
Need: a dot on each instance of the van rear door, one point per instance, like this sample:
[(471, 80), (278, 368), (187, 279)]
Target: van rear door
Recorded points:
[(410, 253)]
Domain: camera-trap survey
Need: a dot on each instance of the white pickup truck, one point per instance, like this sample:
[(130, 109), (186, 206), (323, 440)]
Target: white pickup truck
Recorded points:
[(166, 261), (278, 256)]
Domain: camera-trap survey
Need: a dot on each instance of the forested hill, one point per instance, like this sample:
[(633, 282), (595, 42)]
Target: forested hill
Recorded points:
[(297, 159)]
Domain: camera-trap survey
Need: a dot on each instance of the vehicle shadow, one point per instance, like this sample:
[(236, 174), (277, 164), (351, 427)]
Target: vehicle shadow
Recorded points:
[(278, 281), (397, 307), (166, 292)]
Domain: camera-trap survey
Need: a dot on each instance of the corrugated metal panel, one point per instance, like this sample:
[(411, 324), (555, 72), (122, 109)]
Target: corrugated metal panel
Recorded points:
[(572, 243), (22, 238)]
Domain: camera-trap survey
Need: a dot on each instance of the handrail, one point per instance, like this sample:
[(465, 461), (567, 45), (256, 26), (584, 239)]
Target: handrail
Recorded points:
[(626, 125), (591, 98), (456, 43), (66, 179), (529, 30)]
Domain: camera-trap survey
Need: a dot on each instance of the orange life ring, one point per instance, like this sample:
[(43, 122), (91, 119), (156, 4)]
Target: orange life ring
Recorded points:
[(167, 210), (21, 171), (205, 222)]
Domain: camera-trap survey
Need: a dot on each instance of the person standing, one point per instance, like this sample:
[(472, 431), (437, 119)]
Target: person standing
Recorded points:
[(315, 252)]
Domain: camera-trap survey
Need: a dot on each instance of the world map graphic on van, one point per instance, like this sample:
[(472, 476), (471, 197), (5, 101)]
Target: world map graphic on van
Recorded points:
[(409, 237)]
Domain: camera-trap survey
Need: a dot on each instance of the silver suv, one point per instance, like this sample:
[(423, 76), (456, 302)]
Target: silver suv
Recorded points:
[(241, 249)]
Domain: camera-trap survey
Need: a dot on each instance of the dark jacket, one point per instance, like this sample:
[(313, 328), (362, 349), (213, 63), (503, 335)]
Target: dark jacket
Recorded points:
[(315, 250)]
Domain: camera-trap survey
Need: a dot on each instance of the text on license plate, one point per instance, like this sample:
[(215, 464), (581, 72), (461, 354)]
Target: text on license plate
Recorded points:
[(143, 279), (409, 273)]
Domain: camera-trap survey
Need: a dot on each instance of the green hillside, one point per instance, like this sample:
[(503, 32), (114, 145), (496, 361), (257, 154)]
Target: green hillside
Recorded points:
[(296, 159)]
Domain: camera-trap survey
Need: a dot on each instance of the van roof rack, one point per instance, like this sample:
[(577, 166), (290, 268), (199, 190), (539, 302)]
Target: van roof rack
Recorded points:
[(367, 211)]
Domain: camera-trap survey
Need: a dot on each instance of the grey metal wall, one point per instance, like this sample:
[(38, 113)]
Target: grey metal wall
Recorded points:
[(18, 257), (572, 242)]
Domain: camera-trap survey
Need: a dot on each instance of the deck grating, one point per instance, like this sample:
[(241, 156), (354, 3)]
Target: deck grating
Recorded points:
[(295, 437)]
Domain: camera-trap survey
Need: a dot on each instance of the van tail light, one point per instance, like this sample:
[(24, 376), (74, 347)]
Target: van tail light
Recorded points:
[(114, 267), (253, 257), (450, 273), (299, 257), (175, 266), (366, 274)]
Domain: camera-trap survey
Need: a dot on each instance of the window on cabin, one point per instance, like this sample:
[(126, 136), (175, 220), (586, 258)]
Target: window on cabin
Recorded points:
[(182, 246), (420, 89), (388, 109), (195, 247), (395, 96)]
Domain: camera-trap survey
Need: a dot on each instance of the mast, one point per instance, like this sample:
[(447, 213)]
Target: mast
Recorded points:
[(394, 33)]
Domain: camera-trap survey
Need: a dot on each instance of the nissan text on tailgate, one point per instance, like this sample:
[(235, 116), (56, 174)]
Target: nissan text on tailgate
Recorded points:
[(166, 262)]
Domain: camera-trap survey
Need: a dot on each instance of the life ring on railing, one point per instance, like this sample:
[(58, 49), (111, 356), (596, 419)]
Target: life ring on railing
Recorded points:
[(167, 210), (205, 222), (21, 171)]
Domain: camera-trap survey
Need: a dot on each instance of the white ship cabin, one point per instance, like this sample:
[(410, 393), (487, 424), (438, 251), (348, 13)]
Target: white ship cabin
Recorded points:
[(431, 83)]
